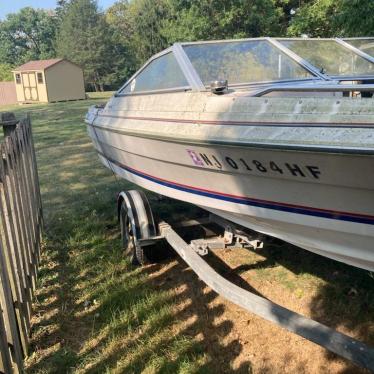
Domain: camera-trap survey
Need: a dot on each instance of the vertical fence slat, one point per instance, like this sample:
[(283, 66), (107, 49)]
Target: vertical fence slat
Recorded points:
[(6, 302), (31, 193), (11, 231), (5, 357), (13, 260), (35, 183), (12, 191), (35, 171), (15, 152), (12, 143), (21, 224), (29, 202)]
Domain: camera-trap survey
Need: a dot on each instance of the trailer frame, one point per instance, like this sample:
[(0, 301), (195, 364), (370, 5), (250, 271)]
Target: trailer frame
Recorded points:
[(192, 253)]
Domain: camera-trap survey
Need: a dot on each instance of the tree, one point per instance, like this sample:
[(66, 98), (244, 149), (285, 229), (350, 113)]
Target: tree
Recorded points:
[(328, 18), (137, 27), (84, 38), (355, 17), (27, 35), (145, 24), (6, 72), (316, 19), (121, 28), (287, 10), (61, 6), (221, 19)]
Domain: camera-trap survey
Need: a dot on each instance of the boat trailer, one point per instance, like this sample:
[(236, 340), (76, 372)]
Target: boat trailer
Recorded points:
[(139, 232)]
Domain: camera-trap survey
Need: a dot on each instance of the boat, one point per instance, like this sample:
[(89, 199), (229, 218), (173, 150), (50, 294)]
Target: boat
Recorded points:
[(274, 134)]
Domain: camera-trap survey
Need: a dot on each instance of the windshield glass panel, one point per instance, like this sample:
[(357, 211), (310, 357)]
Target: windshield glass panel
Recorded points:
[(243, 62), (365, 44), (330, 57), (161, 73)]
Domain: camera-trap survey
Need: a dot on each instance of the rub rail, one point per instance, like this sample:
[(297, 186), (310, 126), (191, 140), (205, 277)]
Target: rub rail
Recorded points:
[(315, 88)]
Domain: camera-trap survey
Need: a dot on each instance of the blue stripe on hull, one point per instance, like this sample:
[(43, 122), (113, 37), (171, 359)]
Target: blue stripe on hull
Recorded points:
[(253, 202)]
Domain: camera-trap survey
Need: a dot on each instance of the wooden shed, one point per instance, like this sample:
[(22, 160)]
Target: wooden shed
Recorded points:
[(47, 81)]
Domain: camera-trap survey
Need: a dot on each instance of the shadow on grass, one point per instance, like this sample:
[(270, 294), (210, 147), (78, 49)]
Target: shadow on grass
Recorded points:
[(111, 316), (344, 298), (131, 321), (94, 312)]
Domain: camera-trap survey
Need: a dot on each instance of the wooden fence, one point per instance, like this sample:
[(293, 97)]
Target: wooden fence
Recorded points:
[(8, 94), (20, 237)]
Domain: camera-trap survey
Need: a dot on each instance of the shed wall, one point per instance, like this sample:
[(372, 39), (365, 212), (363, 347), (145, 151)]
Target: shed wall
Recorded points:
[(26, 81), (64, 82)]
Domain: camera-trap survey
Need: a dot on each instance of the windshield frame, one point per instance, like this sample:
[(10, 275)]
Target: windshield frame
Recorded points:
[(315, 74), (347, 46), (120, 92), (195, 83), (345, 42)]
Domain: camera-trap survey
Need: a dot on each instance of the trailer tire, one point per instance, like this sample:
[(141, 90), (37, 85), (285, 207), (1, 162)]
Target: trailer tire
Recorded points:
[(136, 222)]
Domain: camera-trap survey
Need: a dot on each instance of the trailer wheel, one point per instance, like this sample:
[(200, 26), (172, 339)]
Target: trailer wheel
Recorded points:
[(136, 223), (127, 237)]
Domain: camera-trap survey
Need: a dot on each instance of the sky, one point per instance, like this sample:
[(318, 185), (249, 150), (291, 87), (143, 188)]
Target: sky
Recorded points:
[(11, 6)]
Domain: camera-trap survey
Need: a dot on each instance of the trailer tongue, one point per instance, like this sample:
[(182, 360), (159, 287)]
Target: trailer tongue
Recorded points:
[(140, 229)]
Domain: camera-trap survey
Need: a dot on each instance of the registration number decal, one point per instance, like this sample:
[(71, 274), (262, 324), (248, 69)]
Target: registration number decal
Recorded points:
[(295, 169)]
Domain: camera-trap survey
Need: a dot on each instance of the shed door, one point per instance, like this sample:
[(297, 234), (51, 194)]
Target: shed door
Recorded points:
[(29, 86)]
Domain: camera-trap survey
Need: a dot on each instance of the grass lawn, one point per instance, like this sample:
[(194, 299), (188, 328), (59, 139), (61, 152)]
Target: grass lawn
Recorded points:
[(95, 313), (93, 310)]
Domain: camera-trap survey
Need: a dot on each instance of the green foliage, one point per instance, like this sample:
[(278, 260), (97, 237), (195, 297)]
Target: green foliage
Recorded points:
[(6, 72), (327, 18), (61, 6), (145, 27), (220, 19), (120, 26), (27, 35), (355, 17), (140, 23), (287, 8), (84, 38), (315, 19)]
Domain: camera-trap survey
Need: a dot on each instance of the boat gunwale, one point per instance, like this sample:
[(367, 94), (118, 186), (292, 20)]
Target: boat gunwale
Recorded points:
[(313, 80), (323, 124), (255, 145), (358, 38)]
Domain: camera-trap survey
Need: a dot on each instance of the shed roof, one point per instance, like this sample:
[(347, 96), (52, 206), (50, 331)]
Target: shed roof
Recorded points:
[(38, 64)]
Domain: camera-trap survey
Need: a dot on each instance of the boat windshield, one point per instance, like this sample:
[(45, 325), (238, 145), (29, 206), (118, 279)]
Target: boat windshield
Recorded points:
[(364, 44), (330, 57), (242, 62), (160, 74)]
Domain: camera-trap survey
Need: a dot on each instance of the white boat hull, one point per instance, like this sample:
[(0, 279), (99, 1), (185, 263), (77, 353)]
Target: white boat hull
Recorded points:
[(297, 169), (320, 200)]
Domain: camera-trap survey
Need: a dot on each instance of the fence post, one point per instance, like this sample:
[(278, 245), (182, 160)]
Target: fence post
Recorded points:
[(9, 122)]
